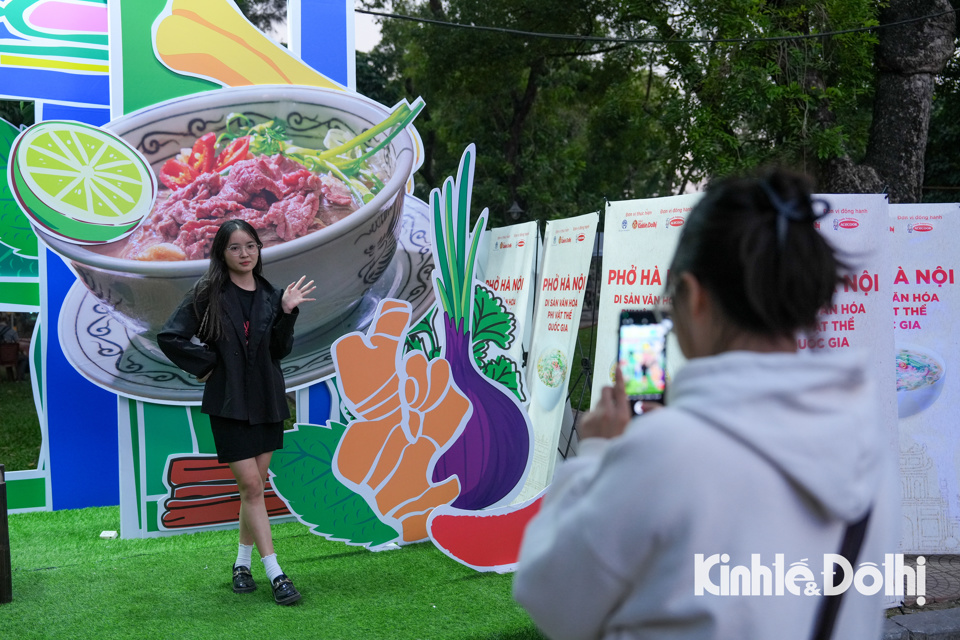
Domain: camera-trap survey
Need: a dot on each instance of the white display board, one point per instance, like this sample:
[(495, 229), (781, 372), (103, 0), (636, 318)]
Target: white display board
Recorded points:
[(509, 269), (568, 246), (640, 237), (925, 302)]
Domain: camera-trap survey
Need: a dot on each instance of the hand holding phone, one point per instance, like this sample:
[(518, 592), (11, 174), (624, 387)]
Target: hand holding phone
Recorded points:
[(610, 416), (642, 352)]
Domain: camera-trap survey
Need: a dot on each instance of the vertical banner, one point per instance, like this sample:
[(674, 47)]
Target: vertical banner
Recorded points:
[(640, 237), (925, 303), (510, 262), (860, 318), (856, 225), (568, 245)]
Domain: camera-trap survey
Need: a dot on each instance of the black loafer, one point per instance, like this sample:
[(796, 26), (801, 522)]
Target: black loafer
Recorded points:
[(283, 590), (243, 580)]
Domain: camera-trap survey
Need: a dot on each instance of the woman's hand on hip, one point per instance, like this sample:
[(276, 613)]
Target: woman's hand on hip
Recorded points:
[(295, 293), (611, 415)]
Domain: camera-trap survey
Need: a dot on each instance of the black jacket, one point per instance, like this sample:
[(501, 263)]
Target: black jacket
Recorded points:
[(246, 382)]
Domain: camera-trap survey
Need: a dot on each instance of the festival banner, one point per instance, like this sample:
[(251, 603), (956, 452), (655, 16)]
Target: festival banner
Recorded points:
[(509, 271), (860, 317), (568, 245), (639, 240), (925, 302)]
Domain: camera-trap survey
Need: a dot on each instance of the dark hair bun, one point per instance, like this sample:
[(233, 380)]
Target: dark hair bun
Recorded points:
[(751, 242)]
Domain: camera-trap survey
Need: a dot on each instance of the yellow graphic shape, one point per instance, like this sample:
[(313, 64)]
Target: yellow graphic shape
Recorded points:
[(30, 62), (408, 410), (213, 40)]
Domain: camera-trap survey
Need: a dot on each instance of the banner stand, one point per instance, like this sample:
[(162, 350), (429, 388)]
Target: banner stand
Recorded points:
[(586, 361)]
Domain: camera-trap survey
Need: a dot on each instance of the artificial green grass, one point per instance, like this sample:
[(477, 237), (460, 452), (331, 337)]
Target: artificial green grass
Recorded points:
[(69, 583), (20, 435)]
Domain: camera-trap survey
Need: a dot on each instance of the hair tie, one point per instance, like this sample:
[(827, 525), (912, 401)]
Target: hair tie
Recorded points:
[(786, 211), (791, 211)]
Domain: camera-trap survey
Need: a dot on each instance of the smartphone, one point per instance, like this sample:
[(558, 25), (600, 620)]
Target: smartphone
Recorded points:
[(643, 356)]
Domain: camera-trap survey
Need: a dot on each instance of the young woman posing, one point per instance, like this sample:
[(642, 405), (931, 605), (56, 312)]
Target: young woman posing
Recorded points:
[(245, 327)]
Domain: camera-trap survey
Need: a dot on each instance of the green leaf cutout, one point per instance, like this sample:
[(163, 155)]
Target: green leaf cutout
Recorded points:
[(504, 371), (15, 230), (304, 477), (423, 336), (480, 352), (492, 322), (14, 266)]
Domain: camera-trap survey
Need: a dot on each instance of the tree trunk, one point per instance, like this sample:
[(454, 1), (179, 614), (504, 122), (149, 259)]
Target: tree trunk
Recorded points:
[(908, 59), (522, 106)]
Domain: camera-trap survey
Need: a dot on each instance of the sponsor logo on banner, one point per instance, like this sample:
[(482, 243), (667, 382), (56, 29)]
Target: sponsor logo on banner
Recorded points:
[(565, 240), (581, 238), (920, 227), (506, 245), (623, 225), (520, 243), (644, 225), (845, 223), (675, 222)]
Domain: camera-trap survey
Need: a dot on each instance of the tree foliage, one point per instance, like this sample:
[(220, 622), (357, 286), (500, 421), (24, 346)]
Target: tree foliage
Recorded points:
[(265, 14), (17, 112), (942, 162), (561, 124), (552, 119)]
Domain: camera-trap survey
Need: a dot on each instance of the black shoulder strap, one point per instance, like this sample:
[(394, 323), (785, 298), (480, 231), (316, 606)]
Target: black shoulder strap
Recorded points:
[(849, 547), (830, 605)]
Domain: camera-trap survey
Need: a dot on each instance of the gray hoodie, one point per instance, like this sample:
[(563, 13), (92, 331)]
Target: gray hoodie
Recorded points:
[(753, 471)]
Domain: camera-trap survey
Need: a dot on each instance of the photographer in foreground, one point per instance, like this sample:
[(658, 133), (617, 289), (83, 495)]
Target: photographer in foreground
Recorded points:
[(761, 453)]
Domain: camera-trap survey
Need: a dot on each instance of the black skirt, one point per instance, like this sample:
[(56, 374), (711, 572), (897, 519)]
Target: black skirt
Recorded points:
[(238, 439)]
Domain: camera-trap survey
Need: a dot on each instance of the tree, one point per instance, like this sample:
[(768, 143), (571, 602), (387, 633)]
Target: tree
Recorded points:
[(909, 58), (942, 161), (550, 117), (560, 124), (747, 100), (265, 14), (17, 112)]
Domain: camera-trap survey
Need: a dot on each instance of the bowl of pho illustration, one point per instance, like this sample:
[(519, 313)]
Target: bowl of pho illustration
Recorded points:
[(920, 375), (552, 367), (315, 171)]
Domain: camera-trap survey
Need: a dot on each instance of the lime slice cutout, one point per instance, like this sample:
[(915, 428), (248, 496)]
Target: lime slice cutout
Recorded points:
[(80, 182)]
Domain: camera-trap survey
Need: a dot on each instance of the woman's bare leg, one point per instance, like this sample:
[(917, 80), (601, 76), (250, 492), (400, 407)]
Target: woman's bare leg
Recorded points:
[(251, 476)]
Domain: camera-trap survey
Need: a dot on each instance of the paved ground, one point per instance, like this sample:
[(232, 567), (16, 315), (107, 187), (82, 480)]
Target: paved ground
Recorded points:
[(939, 617)]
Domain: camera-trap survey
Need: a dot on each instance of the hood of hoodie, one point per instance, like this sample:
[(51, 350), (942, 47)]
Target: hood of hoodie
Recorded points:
[(815, 417)]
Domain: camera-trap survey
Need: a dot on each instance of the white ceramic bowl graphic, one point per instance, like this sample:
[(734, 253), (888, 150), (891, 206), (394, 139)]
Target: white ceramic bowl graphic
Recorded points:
[(551, 373), (916, 391), (345, 259)]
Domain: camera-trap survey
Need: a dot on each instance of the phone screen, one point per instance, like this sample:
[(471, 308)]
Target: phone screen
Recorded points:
[(643, 358)]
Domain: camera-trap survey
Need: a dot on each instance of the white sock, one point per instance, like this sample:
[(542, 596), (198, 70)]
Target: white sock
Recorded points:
[(272, 568), (244, 556)]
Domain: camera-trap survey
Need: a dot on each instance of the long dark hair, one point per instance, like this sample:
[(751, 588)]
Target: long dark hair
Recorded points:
[(208, 288), (752, 244)]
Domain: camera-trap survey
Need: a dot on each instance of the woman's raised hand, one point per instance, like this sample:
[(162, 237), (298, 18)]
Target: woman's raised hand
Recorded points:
[(611, 415), (295, 293)]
